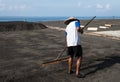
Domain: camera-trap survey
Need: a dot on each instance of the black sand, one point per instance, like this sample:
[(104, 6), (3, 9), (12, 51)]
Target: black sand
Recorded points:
[(23, 52)]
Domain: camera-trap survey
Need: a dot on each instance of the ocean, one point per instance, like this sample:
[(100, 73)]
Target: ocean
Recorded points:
[(39, 19)]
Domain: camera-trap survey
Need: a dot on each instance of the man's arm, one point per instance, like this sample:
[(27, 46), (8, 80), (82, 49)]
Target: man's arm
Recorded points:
[(79, 29)]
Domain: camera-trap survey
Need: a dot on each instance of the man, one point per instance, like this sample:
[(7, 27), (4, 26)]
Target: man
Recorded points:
[(73, 43)]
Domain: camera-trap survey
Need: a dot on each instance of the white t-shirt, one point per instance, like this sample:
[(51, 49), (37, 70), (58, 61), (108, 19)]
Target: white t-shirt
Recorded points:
[(72, 35)]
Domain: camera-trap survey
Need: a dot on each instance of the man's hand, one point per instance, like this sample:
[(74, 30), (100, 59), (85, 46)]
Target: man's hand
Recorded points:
[(81, 31)]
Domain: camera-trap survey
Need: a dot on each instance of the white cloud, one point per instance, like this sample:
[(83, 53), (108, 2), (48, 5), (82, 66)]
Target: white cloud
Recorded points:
[(5, 7), (99, 6), (108, 6), (105, 7), (19, 7), (79, 4), (89, 6)]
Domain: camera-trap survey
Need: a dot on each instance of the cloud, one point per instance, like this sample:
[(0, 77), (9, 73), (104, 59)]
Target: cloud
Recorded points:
[(18, 7), (108, 6), (89, 6), (5, 7), (79, 4), (105, 7), (99, 6)]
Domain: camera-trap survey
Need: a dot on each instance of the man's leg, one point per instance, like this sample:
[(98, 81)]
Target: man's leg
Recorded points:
[(70, 63), (78, 64)]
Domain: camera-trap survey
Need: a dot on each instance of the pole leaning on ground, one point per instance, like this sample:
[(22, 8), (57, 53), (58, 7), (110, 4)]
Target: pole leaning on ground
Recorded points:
[(60, 54)]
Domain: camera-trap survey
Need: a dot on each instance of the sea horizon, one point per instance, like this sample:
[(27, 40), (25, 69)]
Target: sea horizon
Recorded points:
[(49, 18)]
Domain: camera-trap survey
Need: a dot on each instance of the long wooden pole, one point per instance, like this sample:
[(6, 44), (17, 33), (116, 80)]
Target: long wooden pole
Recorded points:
[(89, 22), (54, 61)]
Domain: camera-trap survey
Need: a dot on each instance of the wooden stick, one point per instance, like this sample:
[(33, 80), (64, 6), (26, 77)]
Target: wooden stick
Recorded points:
[(55, 61), (89, 22)]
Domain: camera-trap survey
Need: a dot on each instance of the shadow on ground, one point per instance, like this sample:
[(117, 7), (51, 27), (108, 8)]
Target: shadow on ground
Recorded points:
[(102, 63)]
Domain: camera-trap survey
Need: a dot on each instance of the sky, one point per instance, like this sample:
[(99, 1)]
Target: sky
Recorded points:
[(59, 8)]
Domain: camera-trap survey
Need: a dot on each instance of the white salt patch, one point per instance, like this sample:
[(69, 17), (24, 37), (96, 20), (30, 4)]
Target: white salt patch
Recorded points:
[(104, 27), (110, 33), (92, 28)]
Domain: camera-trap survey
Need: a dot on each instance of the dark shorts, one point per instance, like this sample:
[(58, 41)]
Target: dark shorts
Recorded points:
[(75, 51)]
